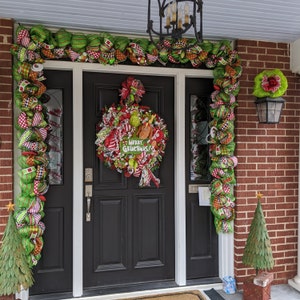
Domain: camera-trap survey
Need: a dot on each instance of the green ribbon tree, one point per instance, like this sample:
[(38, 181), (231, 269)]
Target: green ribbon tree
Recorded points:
[(258, 251), (14, 269)]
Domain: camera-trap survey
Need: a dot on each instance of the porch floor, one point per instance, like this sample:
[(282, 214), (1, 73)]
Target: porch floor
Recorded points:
[(278, 292)]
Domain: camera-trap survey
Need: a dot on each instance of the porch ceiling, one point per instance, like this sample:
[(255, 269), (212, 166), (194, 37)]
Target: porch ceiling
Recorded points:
[(268, 20)]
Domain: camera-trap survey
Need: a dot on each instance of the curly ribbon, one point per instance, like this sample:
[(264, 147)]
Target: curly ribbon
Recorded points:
[(132, 91)]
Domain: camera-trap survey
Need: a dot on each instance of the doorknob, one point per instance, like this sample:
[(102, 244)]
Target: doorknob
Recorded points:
[(88, 195)]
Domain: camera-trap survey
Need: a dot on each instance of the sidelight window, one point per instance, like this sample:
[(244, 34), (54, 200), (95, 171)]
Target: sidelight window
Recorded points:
[(199, 156), (54, 107)]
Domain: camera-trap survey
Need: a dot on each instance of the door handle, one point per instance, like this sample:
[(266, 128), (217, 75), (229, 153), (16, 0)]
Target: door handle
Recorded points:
[(88, 209), (88, 195)]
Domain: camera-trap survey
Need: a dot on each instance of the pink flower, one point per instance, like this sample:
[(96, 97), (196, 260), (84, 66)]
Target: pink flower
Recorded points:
[(271, 83)]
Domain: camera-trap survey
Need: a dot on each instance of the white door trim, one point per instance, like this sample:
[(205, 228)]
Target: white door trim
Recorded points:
[(226, 261), (77, 182)]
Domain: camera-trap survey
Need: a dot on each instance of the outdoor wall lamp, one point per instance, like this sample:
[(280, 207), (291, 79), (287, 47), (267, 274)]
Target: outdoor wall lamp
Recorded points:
[(269, 109)]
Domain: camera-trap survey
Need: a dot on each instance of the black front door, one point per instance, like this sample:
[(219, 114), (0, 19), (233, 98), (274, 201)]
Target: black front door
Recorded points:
[(53, 273), (130, 237), (202, 239)]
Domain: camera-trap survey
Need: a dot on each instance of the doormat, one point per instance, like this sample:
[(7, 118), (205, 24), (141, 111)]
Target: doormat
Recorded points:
[(213, 295), (188, 295)]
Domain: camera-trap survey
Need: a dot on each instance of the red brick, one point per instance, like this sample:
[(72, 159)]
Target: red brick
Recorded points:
[(281, 52), (241, 43), (273, 65), (4, 54), (265, 44), (6, 31), (6, 23)]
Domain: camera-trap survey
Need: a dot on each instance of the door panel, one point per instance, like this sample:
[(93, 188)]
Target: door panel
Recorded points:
[(149, 231), (53, 272), (202, 240), (109, 227), (130, 238)]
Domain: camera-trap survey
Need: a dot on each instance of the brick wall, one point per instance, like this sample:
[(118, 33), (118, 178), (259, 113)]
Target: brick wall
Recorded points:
[(268, 161), (6, 122)]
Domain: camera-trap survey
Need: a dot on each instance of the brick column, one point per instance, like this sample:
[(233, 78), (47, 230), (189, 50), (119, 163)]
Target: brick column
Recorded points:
[(6, 123), (268, 162)]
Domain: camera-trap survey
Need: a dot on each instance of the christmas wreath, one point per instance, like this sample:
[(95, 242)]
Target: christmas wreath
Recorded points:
[(131, 138), (270, 83)]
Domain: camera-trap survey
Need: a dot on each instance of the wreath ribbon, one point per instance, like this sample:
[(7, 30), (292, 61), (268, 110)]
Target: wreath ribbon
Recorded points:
[(131, 138)]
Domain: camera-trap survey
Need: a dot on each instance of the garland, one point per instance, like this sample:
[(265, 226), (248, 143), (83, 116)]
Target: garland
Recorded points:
[(36, 44), (131, 138), (222, 145), (32, 130)]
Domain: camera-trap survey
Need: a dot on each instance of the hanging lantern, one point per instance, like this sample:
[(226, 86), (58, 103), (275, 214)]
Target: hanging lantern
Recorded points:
[(175, 18)]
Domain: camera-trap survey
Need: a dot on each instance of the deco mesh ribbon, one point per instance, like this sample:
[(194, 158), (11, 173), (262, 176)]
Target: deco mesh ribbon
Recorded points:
[(270, 83), (36, 44), (131, 138), (221, 139), (105, 48), (32, 130)]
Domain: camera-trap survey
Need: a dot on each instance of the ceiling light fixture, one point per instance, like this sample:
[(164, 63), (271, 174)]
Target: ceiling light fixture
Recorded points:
[(175, 19)]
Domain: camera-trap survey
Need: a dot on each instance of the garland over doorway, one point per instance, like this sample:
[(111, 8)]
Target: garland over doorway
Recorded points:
[(36, 44)]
